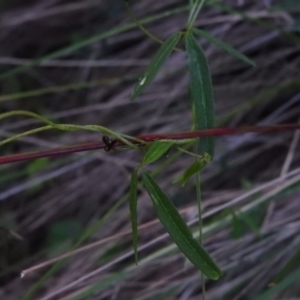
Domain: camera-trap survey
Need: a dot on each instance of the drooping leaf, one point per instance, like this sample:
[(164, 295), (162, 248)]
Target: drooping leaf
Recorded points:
[(192, 170), (133, 211), (160, 57), (156, 150), (224, 46), (201, 92), (178, 229)]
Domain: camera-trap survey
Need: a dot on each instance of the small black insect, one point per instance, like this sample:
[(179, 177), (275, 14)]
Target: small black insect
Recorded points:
[(109, 143)]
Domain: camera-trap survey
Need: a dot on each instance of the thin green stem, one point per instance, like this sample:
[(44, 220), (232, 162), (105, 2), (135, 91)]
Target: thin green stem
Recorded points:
[(190, 153), (199, 205), (139, 25), (24, 134), (65, 127), (178, 138), (194, 13), (143, 28), (191, 3)]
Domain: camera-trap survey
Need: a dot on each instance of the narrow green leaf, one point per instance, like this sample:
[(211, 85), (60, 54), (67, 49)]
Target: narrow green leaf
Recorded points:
[(156, 150), (178, 230), (193, 169), (162, 54), (133, 211), (224, 46), (201, 92)]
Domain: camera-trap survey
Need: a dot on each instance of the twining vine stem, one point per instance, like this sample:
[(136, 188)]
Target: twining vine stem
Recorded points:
[(108, 144)]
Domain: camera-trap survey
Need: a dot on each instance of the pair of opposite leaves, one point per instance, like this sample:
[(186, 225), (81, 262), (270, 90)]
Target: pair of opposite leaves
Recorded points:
[(203, 108)]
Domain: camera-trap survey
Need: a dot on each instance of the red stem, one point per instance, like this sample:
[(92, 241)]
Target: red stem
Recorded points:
[(148, 138)]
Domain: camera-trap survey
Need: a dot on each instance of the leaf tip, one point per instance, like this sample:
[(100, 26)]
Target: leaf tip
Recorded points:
[(136, 258)]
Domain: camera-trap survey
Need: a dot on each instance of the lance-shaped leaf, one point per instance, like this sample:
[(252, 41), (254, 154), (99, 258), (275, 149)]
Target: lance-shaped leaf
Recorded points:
[(133, 211), (156, 150), (193, 169), (224, 46), (160, 57), (201, 92), (179, 231)]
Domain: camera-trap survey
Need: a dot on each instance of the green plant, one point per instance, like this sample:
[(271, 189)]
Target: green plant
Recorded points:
[(203, 115), (203, 119)]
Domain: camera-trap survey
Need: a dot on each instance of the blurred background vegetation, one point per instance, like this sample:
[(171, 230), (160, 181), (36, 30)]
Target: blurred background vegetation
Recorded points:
[(76, 62)]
